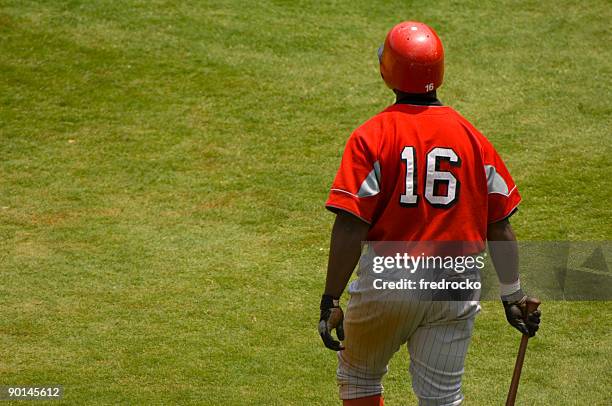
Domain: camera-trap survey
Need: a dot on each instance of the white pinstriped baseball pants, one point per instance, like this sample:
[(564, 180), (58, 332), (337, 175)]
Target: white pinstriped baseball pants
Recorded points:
[(378, 322)]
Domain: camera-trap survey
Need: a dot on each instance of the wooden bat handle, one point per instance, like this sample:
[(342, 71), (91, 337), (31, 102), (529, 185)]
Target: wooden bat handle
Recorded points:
[(531, 306)]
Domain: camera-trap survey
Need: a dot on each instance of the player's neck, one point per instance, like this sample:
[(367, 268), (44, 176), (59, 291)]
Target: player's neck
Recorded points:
[(420, 99)]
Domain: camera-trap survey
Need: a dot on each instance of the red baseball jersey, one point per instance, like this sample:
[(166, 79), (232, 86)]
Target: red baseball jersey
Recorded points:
[(423, 173)]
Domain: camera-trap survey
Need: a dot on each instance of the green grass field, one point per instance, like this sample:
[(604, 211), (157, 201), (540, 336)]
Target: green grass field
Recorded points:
[(164, 167)]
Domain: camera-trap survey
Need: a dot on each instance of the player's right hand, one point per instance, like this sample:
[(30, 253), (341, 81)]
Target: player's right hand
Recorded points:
[(517, 313), (332, 318)]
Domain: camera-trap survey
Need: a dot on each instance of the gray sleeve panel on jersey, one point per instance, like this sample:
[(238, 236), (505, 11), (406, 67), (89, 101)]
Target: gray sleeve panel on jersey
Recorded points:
[(495, 183), (371, 184)]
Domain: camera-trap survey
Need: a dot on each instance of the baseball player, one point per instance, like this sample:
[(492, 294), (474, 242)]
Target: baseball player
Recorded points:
[(415, 172)]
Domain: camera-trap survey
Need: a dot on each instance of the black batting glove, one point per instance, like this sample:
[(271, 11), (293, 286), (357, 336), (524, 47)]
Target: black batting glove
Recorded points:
[(332, 318), (515, 306)]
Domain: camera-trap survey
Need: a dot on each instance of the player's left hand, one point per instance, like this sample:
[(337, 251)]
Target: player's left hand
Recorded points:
[(332, 318), (517, 313)]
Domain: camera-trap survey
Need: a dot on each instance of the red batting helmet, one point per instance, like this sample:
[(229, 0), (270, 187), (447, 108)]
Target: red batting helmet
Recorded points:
[(412, 58)]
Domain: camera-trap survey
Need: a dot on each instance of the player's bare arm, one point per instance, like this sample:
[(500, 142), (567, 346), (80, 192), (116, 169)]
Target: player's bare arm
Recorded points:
[(345, 249), (504, 253)]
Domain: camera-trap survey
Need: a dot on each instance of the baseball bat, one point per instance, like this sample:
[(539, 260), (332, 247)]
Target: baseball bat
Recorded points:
[(531, 306)]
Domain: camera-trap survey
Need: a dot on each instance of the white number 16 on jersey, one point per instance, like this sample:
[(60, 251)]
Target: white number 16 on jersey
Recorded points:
[(433, 178)]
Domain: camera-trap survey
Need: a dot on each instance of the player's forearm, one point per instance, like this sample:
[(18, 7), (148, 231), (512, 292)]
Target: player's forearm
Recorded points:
[(344, 252), (504, 253)]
